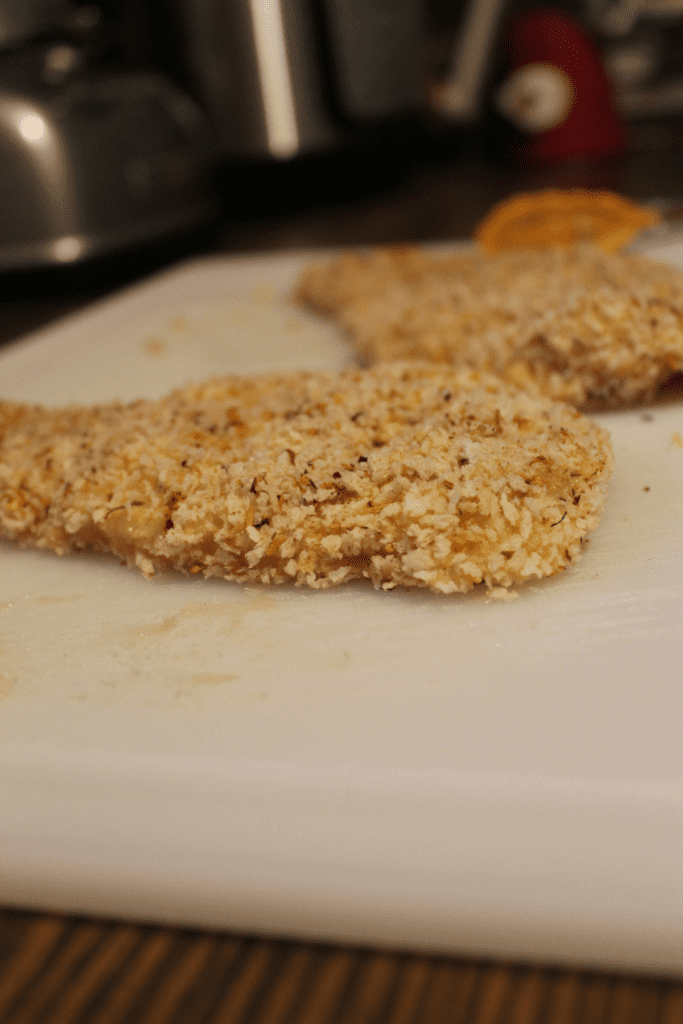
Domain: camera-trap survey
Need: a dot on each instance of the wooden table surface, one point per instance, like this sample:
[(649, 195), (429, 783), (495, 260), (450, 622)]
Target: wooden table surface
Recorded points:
[(61, 970)]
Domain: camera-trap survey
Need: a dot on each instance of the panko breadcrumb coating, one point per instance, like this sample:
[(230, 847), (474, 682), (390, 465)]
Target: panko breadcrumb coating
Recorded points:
[(577, 324), (408, 473)]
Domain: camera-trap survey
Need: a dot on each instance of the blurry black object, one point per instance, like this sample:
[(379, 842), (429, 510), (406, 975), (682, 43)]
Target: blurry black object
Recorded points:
[(258, 189)]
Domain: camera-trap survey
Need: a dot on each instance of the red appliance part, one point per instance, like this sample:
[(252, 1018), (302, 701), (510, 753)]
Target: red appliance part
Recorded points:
[(557, 91)]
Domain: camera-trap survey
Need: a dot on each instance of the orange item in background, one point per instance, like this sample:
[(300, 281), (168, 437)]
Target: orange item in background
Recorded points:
[(562, 217)]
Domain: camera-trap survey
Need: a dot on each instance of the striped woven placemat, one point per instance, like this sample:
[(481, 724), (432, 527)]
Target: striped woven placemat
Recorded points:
[(61, 970)]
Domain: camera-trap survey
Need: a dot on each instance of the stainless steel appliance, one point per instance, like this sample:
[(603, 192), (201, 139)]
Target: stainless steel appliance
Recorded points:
[(286, 78), (283, 78), (94, 160)]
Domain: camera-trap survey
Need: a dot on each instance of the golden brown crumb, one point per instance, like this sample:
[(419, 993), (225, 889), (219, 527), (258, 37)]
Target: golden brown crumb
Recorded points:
[(408, 473), (577, 324)]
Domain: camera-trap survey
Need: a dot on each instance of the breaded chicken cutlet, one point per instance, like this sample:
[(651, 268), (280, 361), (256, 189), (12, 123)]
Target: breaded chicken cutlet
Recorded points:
[(410, 474), (576, 324)]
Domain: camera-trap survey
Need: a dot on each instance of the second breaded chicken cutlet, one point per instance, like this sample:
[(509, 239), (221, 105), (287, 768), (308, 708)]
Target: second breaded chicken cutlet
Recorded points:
[(576, 324)]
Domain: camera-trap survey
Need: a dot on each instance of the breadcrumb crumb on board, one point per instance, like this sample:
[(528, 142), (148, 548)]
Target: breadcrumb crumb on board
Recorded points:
[(407, 474)]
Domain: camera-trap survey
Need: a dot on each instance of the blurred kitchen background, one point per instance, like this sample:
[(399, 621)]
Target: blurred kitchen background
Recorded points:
[(134, 131)]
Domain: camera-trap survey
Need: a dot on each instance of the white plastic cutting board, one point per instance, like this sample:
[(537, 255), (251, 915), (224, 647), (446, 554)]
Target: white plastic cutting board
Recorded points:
[(430, 772)]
